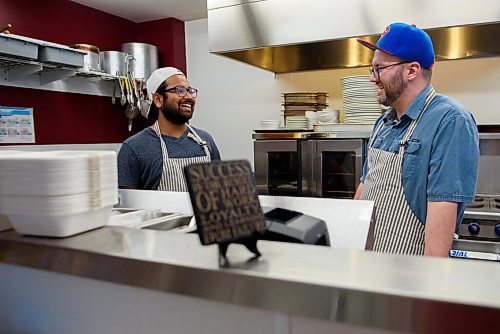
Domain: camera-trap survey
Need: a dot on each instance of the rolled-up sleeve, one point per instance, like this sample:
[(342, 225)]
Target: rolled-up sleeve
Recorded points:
[(454, 160)]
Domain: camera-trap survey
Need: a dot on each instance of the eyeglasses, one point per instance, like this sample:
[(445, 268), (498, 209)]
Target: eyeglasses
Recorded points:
[(376, 70), (182, 91)]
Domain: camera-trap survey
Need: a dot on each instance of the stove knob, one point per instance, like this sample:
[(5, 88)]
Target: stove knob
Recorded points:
[(474, 228), (497, 229)]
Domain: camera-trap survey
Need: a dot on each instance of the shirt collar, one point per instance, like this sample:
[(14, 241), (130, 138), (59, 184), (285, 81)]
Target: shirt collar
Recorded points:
[(413, 110)]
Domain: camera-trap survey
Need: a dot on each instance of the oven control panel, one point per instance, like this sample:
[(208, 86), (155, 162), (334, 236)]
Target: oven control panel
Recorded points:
[(479, 227)]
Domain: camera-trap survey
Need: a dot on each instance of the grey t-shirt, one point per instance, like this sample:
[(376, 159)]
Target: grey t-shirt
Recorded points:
[(140, 162)]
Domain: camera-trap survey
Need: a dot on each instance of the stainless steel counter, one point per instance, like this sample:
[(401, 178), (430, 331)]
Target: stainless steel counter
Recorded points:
[(308, 134), (381, 291)]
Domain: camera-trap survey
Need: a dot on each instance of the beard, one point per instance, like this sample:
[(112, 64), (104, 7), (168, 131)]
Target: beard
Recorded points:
[(393, 90), (174, 114)]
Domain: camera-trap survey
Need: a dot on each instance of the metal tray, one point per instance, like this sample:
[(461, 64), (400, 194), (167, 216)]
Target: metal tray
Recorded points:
[(168, 224), (281, 130), (304, 98), (15, 46), (61, 56)]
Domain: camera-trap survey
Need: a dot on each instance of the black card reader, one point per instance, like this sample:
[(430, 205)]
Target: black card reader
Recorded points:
[(292, 226)]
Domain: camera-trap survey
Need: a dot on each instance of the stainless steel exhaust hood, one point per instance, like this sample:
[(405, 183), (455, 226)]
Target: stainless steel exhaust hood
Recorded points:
[(288, 36)]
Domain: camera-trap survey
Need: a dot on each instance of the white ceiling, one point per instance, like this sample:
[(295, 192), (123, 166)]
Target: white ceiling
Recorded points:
[(149, 10)]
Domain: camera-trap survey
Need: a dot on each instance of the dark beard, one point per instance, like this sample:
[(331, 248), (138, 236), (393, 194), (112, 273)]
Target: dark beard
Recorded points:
[(174, 115), (393, 90)]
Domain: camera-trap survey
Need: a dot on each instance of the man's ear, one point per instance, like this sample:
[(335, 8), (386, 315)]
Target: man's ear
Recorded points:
[(415, 69), (157, 100)]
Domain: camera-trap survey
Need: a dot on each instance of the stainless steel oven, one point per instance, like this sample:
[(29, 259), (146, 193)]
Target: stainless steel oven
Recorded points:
[(309, 164), (277, 167), (331, 168)]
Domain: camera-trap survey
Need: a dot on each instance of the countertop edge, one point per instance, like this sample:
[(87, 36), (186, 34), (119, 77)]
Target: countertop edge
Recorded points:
[(243, 288)]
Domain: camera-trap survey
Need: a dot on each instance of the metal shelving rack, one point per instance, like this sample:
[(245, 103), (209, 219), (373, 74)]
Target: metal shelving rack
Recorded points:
[(12, 69), (28, 73)]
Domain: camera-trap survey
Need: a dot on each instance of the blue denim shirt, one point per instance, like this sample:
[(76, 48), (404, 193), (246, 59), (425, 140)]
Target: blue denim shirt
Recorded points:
[(441, 160)]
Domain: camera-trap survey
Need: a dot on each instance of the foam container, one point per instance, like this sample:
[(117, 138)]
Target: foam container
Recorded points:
[(56, 173), (53, 225), (58, 205), (57, 193)]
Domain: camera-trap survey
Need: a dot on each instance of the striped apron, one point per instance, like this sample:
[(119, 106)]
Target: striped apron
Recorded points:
[(397, 229), (172, 177)]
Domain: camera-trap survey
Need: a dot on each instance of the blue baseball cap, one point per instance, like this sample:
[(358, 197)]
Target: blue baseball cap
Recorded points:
[(407, 42)]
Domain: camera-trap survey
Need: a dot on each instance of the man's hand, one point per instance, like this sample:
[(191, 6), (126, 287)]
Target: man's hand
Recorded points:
[(359, 191)]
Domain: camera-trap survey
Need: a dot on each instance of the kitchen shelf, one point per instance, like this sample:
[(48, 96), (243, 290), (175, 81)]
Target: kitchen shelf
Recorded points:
[(96, 75), (19, 72)]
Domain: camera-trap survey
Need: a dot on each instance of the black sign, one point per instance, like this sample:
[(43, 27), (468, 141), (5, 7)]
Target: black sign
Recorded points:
[(225, 201)]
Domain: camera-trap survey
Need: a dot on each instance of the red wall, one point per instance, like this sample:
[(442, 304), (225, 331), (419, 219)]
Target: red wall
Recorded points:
[(69, 118), (168, 35)]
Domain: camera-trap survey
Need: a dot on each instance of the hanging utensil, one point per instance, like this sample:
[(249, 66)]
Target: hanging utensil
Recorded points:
[(145, 108), (145, 101), (131, 112), (123, 98), (127, 89), (113, 99), (137, 94), (133, 88), (132, 109)]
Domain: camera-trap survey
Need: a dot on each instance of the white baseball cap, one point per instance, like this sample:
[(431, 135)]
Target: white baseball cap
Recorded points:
[(155, 80)]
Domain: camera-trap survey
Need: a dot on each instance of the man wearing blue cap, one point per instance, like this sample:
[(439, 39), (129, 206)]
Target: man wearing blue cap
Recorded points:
[(423, 153)]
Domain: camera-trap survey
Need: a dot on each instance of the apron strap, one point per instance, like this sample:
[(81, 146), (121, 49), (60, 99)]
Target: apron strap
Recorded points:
[(164, 151), (402, 143), (194, 136), (430, 95)]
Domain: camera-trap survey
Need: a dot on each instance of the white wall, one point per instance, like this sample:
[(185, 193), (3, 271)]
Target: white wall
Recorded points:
[(234, 96)]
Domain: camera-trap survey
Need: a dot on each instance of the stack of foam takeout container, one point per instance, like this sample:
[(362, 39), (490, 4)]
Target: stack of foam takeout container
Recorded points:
[(57, 193)]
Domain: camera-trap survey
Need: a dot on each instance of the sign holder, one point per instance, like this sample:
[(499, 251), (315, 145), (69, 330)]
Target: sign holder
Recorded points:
[(226, 205)]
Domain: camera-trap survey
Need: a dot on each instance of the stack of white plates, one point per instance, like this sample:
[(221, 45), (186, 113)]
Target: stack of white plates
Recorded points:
[(360, 100), (269, 124), (296, 122), (58, 193), (312, 118)]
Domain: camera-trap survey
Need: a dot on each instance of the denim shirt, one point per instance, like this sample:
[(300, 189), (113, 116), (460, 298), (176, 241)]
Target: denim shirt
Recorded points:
[(441, 158)]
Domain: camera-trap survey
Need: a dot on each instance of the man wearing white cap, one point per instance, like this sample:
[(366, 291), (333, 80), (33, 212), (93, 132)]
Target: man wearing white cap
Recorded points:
[(154, 159)]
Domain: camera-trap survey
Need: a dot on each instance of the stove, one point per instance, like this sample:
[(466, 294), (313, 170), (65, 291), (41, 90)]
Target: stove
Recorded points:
[(478, 237), (479, 233), (485, 203), (481, 219)]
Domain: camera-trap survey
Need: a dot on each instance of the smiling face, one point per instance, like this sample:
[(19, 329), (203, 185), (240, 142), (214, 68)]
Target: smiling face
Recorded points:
[(176, 109), (391, 82)]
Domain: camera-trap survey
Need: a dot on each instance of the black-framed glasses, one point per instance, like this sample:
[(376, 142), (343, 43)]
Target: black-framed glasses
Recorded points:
[(376, 70), (182, 91)]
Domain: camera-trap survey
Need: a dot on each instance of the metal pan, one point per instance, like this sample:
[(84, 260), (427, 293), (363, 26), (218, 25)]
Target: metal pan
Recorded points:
[(114, 62)]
